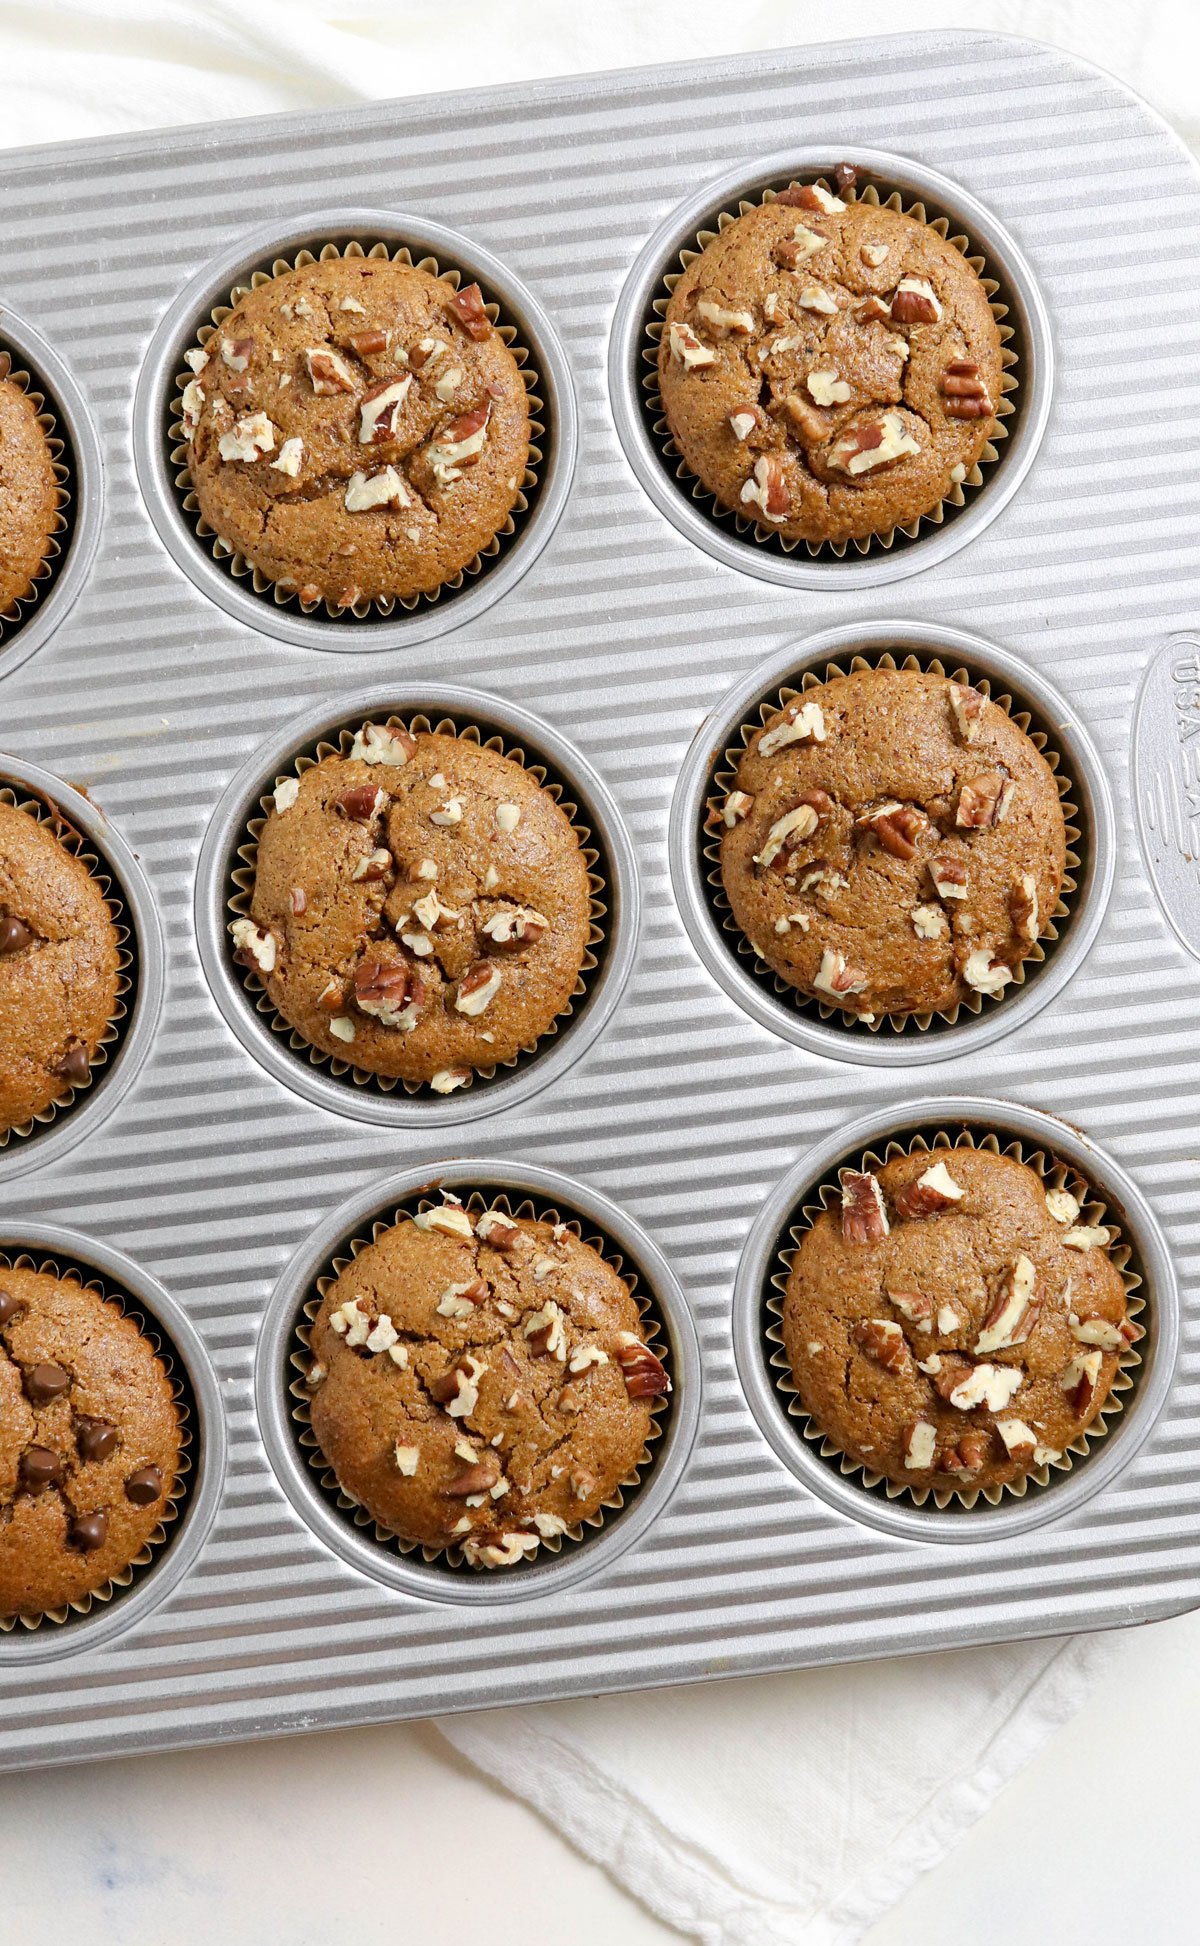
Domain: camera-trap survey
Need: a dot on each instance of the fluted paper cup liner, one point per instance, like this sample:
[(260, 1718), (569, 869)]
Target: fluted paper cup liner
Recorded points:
[(766, 536), (12, 617), (241, 893), (153, 1332), (723, 781), (48, 813), (284, 592), (1056, 1175), (453, 1558)]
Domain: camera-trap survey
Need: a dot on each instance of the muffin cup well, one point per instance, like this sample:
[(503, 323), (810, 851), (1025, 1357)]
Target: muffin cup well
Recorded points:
[(12, 617), (84, 831), (1021, 315), (1059, 1155), (309, 1480), (225, 885), (129, 1596), (892, 1039), (161, 454)]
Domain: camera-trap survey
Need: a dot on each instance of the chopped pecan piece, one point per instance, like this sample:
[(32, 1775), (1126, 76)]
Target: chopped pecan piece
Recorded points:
[(458, 1387), (1081, 1381), (253, 946), (966, 1457), (914, 1306), (479, 1478), (984, 972), (745, 419), (966, 707), (1023, 906), (328, 372), (1013, 1312), (837, 977), (882, 1340), (801, 722), (914, 302), (788, 831), (877, 442), (844, 177), (875, 310), (1020, 1441), (984, 800), (965, 393), (544, 1332), (949, 876), (724, 323), (687, 349), (368, 344), (645, 1375), (933, 1190), (795, 250), (864, 1216), (896, 826), (478, 988), (767, 489), (811, 195), (388, 990), (378, 411), (990, 1385), (468, 307), (361, 803), (952, 1370), (919, 1444), (811, 424), (498, 1232)]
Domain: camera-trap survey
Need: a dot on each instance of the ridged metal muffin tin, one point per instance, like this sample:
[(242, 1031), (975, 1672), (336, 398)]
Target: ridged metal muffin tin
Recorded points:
[(630, 635)]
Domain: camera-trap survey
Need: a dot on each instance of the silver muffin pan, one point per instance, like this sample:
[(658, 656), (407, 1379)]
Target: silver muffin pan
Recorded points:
[(679, 1111)]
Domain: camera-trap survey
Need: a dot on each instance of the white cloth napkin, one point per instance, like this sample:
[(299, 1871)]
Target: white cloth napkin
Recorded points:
[(788, 1809)]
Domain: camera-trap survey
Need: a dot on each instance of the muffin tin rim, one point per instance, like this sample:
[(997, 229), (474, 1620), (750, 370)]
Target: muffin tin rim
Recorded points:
[(178, 1558), (1011, 1519), (657, 257), (239, 802), (357, 1549), (86, 484), (210, 285), (1091, 901), (147, 999)]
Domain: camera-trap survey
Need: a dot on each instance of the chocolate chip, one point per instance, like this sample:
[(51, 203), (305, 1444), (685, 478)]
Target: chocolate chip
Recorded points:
[(75, 1066), (96, 1439), (10, 1304), (87, 1532), (844, 176), (15, 936), (46, 1382), (145, 1486), (39, 1468)]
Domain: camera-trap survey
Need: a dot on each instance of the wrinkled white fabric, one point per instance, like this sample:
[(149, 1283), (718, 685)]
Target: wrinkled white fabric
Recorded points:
[(787, 1809)]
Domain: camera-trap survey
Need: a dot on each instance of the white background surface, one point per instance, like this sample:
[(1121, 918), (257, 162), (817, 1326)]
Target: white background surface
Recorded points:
[(384, 1835)]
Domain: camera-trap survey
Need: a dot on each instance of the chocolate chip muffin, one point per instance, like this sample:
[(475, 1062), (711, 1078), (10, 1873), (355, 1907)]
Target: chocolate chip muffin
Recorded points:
[(481, 1381), (421, 908), (895, 843), (89, 1441), (831, 370), (58, 968), (954, 1324), (359, 430), (29, 494)]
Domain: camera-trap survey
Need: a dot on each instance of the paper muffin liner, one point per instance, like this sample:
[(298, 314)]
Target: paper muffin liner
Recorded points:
[(284, 592), (722, 781), (827, 1195), (48, 813), (12, 617), (765, 535), (164, 1351), (241, 892), (452, 1558)]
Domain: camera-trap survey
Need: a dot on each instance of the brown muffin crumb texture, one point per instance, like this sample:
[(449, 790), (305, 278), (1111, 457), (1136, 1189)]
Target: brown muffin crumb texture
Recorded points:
[(421, 908), (359, 430), (895, 843), (58, 968), (830, 371), (89, 1441), (28, 494), (481, 1381), (955, 1324)]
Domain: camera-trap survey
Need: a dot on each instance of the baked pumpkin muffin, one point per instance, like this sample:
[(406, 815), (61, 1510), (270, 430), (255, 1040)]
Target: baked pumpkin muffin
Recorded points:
[(89, 1441), (481, 1380), (954, 1324), (894, 845), (421, 908), (58, 968), (831, 370), (29, 494), (359, 430)]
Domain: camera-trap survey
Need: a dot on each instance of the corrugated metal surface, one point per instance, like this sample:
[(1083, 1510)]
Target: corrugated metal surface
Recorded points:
[(622, 635)]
